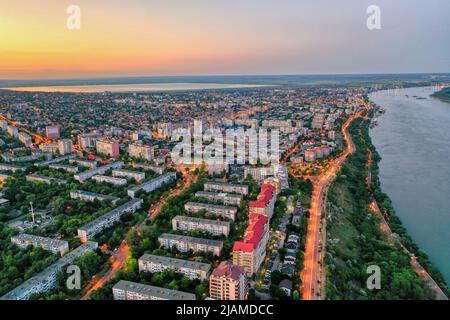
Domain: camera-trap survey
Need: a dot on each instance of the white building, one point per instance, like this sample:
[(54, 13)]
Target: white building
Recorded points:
[(140, 151), (126, 290), (25, 138), (86, 141), (226, 198), (109, 148), (47, 279), (136, 175), (53, 132), (191, 269), (7, 167), (83, 176), (111, 180), (65, 146), (12, 131), (156, 169), (226, 187), (91, 196), (107, 220), (71, 169), (152, 184), (84, 163), (24, 240), (214, 209), (44, 179), (184, 243), (49, 147), (186, 223)]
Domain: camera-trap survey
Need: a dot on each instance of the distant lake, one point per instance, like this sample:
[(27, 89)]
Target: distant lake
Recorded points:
[(144, 87), (413, 139)]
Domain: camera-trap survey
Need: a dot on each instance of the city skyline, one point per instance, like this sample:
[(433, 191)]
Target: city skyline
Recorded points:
[(232, 38)]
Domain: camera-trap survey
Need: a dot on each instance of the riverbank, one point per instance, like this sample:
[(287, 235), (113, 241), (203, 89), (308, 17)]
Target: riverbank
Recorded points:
[(410, 139), (443, 94), (355, 240)]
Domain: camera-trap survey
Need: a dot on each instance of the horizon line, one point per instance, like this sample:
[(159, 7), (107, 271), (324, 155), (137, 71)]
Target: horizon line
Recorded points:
[(227, 75)]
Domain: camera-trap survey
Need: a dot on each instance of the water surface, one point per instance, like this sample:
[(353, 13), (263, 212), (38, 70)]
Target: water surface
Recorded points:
[(413, 139)]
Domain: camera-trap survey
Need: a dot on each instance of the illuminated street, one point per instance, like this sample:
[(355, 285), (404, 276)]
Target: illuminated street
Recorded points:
[(312, 273)]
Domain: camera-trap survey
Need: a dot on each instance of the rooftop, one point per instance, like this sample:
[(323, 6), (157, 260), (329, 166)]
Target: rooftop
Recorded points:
[(179, 263), (153, 291), (177, 237), (228, 270), (253, 234), (200, 220)]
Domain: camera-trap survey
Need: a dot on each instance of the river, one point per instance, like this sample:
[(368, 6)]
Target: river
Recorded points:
[(413, 139)]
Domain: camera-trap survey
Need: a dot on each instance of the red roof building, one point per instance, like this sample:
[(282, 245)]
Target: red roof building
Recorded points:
[(250, 252), (265, 202)]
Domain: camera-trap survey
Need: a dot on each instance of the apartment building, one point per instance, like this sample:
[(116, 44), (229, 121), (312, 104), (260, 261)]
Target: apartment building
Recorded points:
[(110, 180), (265, 202), (318, 121), (127, 290), (71, 169), (3, 124), (226, 187), (108, 148), (225, 198), (214, 209), (184, 243), (107, 220), (185, 223), (91, 196), (83, 176), (261, 173), (12, 131), (65, 146), (136, 175), (84, 163), (156, 169), (276, 123), (152, 184), (44, 179), (49, 147), (249, 253), (25, 138), (228, 282), (86, 141), (258, 173), (53, 132), (47, 279), (141, 151), (7, 167), (55, 160), (24, 240), (191, 269)]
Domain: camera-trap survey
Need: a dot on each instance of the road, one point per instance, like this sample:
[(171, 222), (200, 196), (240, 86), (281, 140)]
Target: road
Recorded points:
[(312, 275), (117, 261), (120, 255)]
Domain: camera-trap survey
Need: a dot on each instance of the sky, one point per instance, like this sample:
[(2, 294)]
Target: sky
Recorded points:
[(221, 37)]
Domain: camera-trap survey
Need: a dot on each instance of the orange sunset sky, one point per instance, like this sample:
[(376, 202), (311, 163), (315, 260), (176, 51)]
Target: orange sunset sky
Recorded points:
[(181, 37)]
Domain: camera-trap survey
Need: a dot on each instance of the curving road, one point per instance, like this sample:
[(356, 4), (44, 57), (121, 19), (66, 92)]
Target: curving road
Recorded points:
[(313, 275)]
